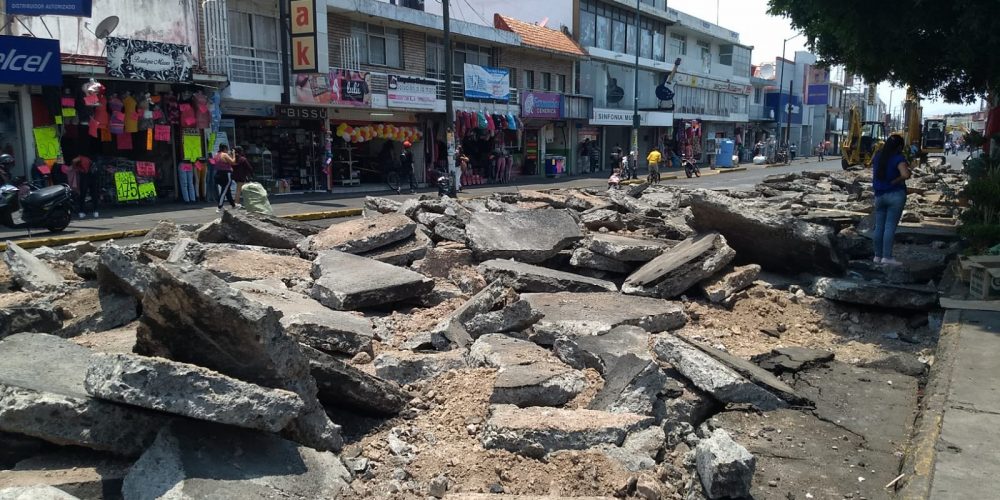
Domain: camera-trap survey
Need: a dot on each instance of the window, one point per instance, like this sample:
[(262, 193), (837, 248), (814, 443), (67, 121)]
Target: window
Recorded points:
[(741, 61), (529, 79), (678, 45), (512, 73), (588, 29), (613, 28), (726, 55), (758, 94), (630, 42), (603, 33), (254, 49), (618, 36), (546, 81), (560, 83), (706, 56), (646, 44), (659, 52), (380, 46)]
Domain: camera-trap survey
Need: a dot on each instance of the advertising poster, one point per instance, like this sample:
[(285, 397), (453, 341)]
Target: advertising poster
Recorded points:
[(411, 92), (350, 88), (484, 82), (145, 60), (541, 105)]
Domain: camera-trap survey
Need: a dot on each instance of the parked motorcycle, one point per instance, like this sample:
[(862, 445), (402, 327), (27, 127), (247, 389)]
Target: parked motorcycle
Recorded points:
[(40, 208), (446, 184), (690, 168)]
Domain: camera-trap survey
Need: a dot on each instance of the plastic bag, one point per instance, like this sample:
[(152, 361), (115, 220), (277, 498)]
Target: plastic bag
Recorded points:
[(254, 198)]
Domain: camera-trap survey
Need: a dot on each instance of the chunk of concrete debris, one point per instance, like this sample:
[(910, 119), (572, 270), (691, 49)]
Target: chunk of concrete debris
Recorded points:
[(378, 204), (529, 236), (201, 460), (79, 472), (632, 384), (342, 386), (29, 272), (362, 235), (755, 374), (403, 252), (580, 314), (310, 322), (725, 467), (452, 329), (624, 248), (791, 244), (94, 311), (86, 266), (232, 264), (27, 314), (587, 259), (602, 219), (727, 283), (604, 350), (440, 260), (405, 368), (122, 270), (530, 278), (190, 391), (513, 318), (345, 281), (194, 317), (252, 228), (711, 375), (37, 492), (537, 431), (872, 293), (42, 394), (792, 359), (164, 230), (680, 268), (528, 375)]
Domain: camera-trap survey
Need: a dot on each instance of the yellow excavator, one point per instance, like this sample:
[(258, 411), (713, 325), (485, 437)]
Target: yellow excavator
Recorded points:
[(864, 139), (925, 137)]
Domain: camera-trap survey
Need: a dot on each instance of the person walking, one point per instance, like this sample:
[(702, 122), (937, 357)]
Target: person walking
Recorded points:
[(87, 182), (242, 172), (224, 177), (406, 164), (889, 173)]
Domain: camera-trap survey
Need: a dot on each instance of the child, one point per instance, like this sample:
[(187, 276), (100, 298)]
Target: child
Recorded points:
[(615, 180)]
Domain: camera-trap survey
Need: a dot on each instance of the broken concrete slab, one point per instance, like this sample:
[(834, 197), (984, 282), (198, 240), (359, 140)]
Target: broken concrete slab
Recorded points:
[(404, 368), (29, 272), (792, 359), (94, 311), (871, 293), (37, 492), (403, 252), (189, 390), (725, 467), (624, 248), (587, 259), (309, 321), (194, 317), (452, 329), (200, 460), (164, 230), (440, 260), (530, 278), (346, 282), (120, 269), (755, 374), (792, 245), (251, 228), (711, 375), (603, 350), (632, 384), (42, 394), (28, 315), (86, 266), (602, 219), (78, 472), (342, 386), (580, 314), (727, 283), (232, 264), (536, 431), (529, 236), (528, 375), (362, 235), (680, 268), (378, 204), (513, 318)]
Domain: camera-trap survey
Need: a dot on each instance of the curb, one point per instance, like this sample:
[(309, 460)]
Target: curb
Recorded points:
[(729, 170), (135, 233)]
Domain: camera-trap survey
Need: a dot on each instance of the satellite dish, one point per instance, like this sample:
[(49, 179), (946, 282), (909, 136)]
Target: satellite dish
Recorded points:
[(105, 27)]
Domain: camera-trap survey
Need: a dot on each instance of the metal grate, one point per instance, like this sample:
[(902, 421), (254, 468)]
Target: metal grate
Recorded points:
[(254, 70), (350, 53)]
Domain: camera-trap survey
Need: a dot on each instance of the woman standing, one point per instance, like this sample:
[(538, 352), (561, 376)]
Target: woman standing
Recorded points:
[(224, 176), (889, 174), (242, 172), (87, 185)]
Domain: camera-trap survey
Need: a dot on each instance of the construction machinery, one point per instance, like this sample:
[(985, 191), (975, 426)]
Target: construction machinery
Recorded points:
[(864, 139), (924, 137)]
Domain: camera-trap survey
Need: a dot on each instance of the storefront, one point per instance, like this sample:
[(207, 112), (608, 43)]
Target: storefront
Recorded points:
[(18, 106), (547, 142), (616, 131), (488, 127)]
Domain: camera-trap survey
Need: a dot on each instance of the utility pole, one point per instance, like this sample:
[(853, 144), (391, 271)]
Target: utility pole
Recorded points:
[(635, 89), (449, 105), (286, 70), (788, 122), (781, 91)]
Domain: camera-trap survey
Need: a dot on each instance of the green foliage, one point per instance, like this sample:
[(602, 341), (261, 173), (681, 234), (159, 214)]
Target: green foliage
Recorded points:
[(981, 222), (939, 47)]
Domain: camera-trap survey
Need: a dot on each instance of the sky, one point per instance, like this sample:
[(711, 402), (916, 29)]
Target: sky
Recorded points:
[(765, 33)]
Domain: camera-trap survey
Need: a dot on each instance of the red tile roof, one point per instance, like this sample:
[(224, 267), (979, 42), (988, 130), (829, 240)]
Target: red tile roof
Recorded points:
[(539, 37)]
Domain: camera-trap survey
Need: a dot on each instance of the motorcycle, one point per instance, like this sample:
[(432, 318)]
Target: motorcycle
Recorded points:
[(690, 168), (42, 208), (446, 184)]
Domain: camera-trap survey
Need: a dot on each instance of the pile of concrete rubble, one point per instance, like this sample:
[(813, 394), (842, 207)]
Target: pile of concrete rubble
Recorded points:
[(442, 348)]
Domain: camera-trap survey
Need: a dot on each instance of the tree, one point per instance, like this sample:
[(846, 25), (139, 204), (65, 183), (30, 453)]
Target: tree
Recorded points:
[(937, 46)]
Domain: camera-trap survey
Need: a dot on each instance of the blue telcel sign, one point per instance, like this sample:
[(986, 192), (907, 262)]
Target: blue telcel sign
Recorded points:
[(30, 61), (80, 8)]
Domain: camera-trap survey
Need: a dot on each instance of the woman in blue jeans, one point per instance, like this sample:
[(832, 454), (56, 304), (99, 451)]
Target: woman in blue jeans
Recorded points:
[(889, 174)]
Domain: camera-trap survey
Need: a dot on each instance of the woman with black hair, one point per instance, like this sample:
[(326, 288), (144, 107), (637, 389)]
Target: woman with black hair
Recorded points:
[(889, 173)]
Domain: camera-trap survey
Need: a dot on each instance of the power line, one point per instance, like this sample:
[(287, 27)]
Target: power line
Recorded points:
[(481, 18)]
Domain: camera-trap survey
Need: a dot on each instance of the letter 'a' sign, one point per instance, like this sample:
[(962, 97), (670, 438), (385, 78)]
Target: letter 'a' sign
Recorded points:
[(303, 13), (30, 61)]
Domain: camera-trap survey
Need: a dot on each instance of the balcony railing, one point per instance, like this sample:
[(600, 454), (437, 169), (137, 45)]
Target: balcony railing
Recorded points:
[(254, 70), (458, 93)]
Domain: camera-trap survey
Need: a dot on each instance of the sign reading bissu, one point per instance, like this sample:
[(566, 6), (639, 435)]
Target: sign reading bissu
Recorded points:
[(300, 112), (304, 52)]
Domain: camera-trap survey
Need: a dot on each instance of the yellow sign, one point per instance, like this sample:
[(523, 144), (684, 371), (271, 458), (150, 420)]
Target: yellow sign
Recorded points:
[(126, 187), (147, 190), (192, 147), (46, 142)]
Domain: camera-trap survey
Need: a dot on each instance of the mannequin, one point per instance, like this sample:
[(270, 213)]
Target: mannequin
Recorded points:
[(131, 121)]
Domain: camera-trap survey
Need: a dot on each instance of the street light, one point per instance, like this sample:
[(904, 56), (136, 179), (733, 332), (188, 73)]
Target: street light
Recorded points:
[(781, 90)]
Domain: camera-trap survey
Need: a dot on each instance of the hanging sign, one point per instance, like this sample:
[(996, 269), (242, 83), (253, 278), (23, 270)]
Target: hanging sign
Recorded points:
[(192, 147), (303, 33), (145, 169), (30, 61), (411, 92), (46, 142), (126, 187), (145, 60), (146, 190), (80, 8), (484, 82)]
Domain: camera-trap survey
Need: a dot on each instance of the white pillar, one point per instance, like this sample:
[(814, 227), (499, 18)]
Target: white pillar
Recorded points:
[(27, 127)]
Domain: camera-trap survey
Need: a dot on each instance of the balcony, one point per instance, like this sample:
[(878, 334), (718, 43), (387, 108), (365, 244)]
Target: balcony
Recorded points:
[(761, 113), (458, 93), (254, 70)]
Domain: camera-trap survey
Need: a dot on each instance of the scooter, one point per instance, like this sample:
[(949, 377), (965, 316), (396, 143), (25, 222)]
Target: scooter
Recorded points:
[(690, 168), (42, 208)]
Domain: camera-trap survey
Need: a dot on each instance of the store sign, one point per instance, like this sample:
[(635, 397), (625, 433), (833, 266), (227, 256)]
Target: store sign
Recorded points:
[(145, 60), (411, 92), (484, 82), (604, 116), (31, 61), (79, 8), (818, 94), (303, 33), (541, 105), (710, 84), (300, 112), (350, 88)]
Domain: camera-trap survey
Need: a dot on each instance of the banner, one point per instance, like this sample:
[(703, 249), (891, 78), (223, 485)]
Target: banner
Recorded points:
[(484, 82), (30, 61), (80, 8), (350, 88), (411, 92), (145, 60), (541, 105)]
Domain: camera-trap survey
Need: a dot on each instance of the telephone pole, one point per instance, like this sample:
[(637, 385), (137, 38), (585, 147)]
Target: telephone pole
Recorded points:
[(449, 111)]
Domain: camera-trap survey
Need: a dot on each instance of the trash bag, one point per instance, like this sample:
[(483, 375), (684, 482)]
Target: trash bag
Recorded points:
[(255, 198)]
